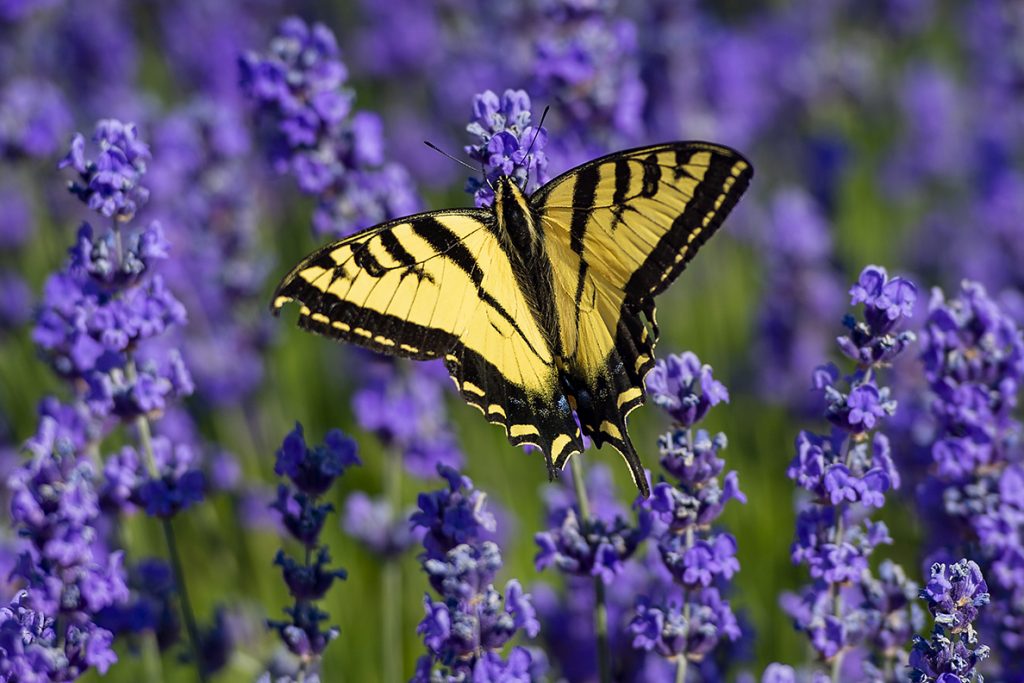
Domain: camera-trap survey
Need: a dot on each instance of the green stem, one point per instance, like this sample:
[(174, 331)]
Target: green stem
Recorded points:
[(151, 665), (392, 649), (604, 664), (186, 604), (146, 441), (681, 664)]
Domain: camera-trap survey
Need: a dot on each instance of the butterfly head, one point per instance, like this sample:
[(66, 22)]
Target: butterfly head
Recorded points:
[(512, 210)]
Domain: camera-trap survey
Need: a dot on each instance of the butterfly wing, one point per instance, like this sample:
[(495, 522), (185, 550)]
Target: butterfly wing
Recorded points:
[(621, 228), (441, 285)]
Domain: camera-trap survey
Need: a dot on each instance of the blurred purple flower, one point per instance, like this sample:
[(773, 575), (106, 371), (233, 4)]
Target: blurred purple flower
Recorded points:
[(298, 88), (403, 406), (203, 187), (34, 119), (374, 524), (801, 292), (973, 357), (585, 62)]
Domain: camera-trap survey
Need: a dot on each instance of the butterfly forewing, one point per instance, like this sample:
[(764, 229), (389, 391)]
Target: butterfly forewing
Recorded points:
[(441, 285)]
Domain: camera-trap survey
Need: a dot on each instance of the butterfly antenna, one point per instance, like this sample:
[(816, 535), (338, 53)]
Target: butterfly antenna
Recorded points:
[(529, 149), (434, 147), (480, 170), (536, 133)]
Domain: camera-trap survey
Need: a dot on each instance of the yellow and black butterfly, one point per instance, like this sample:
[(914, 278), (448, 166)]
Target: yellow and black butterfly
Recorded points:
[(539, 306)]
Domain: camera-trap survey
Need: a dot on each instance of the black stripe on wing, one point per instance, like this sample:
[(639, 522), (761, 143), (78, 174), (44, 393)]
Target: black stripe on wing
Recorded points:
[(714, 197)]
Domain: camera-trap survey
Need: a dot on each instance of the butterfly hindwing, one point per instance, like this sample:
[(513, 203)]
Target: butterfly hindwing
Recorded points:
[(619, 230), (441, 285)]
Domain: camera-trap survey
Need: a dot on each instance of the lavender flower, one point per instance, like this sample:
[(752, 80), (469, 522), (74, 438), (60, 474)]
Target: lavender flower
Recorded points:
[(955, 594), (311, 471), (102, 316), (686, 622), (973, 356), (597, 547), (15, 227), (466, 629), (111, 183), (334, 152), (51, 626), (848, 473), (506, 134)]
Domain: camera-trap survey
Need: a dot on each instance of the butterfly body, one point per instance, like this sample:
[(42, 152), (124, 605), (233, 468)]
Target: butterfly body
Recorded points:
[(541, 307)]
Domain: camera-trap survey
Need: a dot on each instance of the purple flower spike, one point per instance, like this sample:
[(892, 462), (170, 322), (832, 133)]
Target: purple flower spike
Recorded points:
[(311, 471), (887, 302), (465, 631), (848, 474), (111, 183), (688, 617)]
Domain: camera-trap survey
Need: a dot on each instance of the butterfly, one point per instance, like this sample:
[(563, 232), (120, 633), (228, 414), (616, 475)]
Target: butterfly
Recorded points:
[(541, 306)]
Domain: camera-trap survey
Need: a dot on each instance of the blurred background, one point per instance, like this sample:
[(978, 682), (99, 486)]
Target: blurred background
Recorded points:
[(884, 131)]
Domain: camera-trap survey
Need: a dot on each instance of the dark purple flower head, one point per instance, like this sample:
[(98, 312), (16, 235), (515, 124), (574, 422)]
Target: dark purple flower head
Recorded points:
[(111, 183), (178, 484), (503, 126), (303, 634), (313, 470), (309, 581), (684, 388), (452, 516), (302, 516)]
